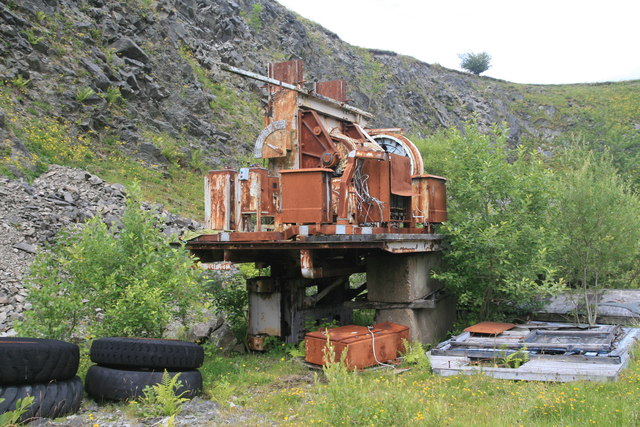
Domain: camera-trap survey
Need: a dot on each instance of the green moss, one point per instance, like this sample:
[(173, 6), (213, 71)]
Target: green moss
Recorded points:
[(252, 18)]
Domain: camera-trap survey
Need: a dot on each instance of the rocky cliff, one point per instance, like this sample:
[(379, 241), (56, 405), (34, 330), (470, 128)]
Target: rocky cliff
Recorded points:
[(134, 90), (141, 79)]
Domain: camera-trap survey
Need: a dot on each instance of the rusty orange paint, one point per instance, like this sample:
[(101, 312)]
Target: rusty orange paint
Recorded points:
[(219, 200), (489, 328), (362, 185), (288, 72), (335, 89), (305, 195), (358, 344)]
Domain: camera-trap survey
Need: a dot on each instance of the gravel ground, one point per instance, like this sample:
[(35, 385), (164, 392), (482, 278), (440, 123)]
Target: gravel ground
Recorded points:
[(196, 412)]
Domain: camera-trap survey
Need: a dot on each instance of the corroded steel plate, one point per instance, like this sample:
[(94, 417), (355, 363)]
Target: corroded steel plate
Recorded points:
[(491, 328)]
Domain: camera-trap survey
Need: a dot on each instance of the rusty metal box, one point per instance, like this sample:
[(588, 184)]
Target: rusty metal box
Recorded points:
[(305, 196), (430, 203), (358, 342)]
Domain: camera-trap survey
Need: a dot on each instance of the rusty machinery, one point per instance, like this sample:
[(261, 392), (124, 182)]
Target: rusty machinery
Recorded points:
[(333, 191)]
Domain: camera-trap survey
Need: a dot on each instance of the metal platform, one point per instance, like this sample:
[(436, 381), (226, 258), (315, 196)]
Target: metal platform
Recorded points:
[(226, 247)]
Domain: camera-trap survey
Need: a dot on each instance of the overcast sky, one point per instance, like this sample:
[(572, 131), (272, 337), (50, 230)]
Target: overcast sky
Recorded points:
[(541, 41)]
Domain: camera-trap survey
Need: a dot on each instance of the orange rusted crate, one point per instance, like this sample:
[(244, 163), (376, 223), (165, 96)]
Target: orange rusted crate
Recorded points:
[(358, 343)]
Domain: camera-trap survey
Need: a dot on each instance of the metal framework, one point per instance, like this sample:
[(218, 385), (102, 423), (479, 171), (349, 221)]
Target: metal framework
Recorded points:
[(333, 193)]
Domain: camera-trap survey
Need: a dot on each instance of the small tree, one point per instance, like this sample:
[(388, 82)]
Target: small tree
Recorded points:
[(475, 63), (497, 260), (111, 282), (597, 217)]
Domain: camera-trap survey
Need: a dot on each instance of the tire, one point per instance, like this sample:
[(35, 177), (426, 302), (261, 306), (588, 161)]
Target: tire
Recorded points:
[(51, 400), (104, 383), (35, 360), (147, 353)]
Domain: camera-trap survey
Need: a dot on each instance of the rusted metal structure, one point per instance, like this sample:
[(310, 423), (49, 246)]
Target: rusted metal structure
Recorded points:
[(330, 193)]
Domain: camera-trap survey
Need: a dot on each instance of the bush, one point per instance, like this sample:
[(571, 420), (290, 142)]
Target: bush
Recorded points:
[(84, 93), (475, 63), (107, 281), (228, 293), (597, 220), (498, 259)]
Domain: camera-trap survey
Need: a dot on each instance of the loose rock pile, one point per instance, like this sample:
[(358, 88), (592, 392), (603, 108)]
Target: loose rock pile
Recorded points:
[(32, 214)]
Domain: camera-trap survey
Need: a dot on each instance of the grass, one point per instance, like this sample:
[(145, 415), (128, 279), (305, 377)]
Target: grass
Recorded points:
[(52, 140), (180, 190), (277, 388), (603, 116), (241, 113)]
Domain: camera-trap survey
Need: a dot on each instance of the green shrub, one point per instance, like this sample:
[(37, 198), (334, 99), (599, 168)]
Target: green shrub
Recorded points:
[(197, 162), (113, 96), (228, 293), (475, 63), (11, 418), (498, 200), (31, 36), (253, 17), (161, 399), (415, 354), (84, 93), (20, 82), (597, 221), (105, 281)]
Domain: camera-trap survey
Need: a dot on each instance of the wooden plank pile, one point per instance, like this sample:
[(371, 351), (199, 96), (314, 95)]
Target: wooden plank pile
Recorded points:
[(537, 351)]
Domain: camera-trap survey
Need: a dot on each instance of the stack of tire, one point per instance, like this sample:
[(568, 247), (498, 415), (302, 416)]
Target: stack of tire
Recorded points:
[(43, 368), (125, 366)]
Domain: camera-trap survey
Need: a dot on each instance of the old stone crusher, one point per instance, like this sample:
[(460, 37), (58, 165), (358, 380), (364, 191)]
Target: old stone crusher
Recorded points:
[(335, 198)]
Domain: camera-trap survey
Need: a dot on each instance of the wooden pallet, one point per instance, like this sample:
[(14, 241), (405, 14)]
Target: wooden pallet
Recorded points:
[(555, 352)]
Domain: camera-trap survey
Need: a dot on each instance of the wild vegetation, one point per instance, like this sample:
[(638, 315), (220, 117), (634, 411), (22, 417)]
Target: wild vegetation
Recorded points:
[(274, 387), (111, 281), (525, 221), (476, 63), (522, 228)]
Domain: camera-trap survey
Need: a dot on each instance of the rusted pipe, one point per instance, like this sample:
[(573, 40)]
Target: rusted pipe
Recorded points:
[(310, 271)]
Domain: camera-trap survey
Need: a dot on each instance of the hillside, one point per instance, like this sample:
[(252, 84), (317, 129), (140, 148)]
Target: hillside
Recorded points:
[(132, 90)]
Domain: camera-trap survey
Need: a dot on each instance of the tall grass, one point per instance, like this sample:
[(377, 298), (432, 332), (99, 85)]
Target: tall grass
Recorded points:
[(278, 389)]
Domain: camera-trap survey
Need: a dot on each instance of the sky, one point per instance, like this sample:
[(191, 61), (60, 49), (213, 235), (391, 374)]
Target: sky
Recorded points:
[(530, 41)]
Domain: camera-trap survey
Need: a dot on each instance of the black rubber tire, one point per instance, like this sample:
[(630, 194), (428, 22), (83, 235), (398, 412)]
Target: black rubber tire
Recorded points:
[(35, 360), (104, 383), (52, 400), (171, 355)]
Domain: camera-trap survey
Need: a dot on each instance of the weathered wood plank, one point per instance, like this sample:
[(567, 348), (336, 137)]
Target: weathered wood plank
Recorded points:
[(531, 371), (460, 355), (491, 354), (538, 346), (630, 338)]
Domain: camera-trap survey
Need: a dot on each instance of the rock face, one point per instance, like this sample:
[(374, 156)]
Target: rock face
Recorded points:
[(141, 80), (32, 214), (163, 58), (209, 327)]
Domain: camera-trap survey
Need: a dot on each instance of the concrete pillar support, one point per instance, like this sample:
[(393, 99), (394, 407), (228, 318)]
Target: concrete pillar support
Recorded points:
[(401, 277), (426, 325), (406, 279)]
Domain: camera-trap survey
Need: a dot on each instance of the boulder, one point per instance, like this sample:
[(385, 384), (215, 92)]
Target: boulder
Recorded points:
[(128, 48)]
